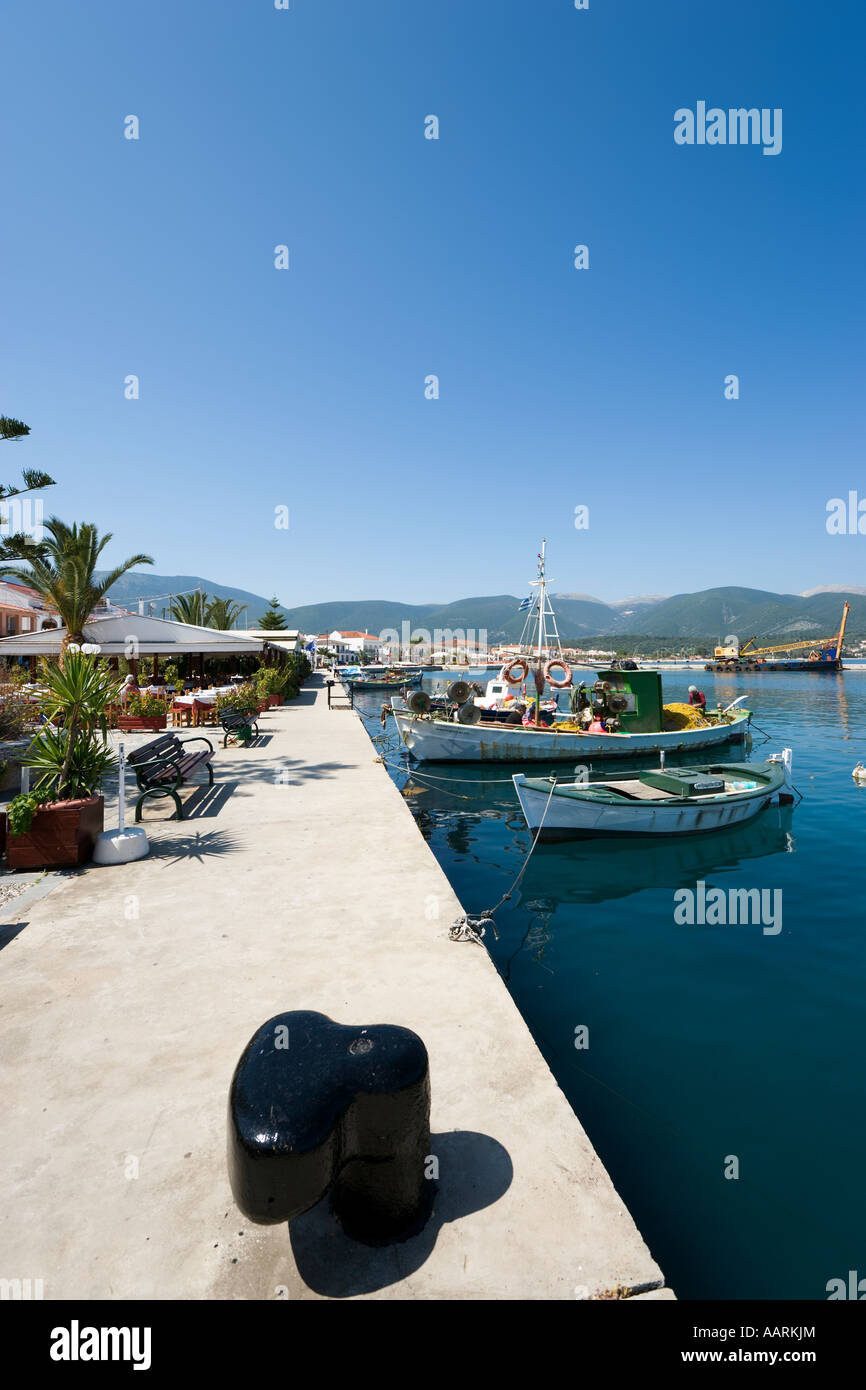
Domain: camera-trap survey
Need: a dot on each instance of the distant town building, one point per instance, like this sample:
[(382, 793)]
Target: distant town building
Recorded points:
[(347, 645), (23, 610)]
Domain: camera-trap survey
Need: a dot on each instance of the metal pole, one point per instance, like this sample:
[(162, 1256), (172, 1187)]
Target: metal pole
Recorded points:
[(121, 786)]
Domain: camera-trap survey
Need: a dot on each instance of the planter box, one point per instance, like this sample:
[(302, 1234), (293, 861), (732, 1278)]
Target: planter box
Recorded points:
[(274, 700), (263, 705), (139, 723), (62, 836)]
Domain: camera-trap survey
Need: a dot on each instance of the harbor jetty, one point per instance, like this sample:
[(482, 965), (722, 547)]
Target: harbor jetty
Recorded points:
[(299, 881)]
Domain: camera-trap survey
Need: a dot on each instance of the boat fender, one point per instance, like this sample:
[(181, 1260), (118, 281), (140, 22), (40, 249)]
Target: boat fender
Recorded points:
[(786, 795)]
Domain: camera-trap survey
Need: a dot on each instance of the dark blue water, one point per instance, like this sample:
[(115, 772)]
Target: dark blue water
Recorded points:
[(706, 1043)]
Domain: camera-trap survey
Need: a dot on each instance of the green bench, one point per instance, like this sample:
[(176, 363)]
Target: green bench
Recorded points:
[(239, 722), (162, 766)]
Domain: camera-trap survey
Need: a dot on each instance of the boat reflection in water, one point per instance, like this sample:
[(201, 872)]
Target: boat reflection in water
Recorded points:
[(474, 814), (599, 870)]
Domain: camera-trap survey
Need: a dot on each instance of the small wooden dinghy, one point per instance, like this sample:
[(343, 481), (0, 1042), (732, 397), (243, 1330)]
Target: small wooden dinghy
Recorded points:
[(664, 801)]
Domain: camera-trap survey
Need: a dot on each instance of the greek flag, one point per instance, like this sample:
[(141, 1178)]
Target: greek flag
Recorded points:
[(310, 647), (527, 603)]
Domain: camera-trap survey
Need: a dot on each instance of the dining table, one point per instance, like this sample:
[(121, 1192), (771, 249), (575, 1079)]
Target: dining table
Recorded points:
[(204, 697)]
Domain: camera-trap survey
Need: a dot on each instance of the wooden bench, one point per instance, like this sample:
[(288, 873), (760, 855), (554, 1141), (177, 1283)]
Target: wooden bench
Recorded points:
[(162, 766), (240, 722)]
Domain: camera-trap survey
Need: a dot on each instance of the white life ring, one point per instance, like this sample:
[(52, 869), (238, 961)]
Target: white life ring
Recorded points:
[(551, 665), (507, 672)]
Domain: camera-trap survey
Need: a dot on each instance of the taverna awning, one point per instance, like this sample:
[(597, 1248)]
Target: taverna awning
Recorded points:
[(133, 635)]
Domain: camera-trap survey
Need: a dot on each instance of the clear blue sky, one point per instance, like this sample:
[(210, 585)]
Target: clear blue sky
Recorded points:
[(305, 388)]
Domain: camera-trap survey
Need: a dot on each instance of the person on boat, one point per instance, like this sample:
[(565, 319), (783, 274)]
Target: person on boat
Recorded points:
[(697, 697), (597, 726), (515, 714)]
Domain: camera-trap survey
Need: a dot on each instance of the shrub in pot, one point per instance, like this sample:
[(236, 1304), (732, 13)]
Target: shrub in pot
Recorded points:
[(56, 824), (270, 683), (245, 698), (17, 713), (143, 711)]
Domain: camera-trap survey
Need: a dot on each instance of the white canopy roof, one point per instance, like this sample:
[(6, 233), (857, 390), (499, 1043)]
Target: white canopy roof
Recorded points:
[(129, 633)]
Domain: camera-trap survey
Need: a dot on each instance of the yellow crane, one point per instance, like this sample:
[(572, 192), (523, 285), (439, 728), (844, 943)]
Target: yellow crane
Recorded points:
[(816, 643)]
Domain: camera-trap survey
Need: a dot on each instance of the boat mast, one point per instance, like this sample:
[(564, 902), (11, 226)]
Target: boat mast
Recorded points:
[(542, 606), (542, 599)]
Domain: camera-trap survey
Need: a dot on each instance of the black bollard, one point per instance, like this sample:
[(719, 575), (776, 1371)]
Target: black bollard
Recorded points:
[(315, 1105)]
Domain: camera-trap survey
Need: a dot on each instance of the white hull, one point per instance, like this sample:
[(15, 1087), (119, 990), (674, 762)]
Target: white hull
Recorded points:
[(567, 817), (438, 740)]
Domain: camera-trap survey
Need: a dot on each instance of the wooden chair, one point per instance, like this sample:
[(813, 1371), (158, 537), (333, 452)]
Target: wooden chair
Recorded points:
[(204, 713), (180, 716)]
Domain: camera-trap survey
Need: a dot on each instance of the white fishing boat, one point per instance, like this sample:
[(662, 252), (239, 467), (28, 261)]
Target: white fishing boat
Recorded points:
[(432, 739), (621, 715), (664, 801)]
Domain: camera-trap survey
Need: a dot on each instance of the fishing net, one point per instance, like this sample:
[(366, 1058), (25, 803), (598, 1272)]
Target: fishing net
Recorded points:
[(677, 716), (681, 716)]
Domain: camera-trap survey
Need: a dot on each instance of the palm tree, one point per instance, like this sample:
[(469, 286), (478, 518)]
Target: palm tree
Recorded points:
[(189, 608), (62, 570), (223, 613)]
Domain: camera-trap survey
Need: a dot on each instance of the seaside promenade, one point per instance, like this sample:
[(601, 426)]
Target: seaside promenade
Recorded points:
[(299, 881)]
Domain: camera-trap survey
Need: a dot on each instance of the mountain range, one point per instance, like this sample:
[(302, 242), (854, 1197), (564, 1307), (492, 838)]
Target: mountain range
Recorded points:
[(706, 615)]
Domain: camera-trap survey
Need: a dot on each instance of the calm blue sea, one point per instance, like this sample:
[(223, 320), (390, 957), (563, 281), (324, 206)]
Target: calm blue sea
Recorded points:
[(707, 1044)]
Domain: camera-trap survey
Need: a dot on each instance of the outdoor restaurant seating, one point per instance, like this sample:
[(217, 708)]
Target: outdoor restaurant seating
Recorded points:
[(204, 712), (179, 716)]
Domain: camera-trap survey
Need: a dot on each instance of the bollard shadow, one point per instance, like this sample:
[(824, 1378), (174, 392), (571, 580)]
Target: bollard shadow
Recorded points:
[(474, 1172)]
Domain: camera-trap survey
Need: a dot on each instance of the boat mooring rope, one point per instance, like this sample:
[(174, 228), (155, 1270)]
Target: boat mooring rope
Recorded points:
[(429, 778), (467, 928)]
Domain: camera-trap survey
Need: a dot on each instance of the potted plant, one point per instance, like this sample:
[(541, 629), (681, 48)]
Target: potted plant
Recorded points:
[(270, 682), (244, 698), (56, 824), (143, 712)]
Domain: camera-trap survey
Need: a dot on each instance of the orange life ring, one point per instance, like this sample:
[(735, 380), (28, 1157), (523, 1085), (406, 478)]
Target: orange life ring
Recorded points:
[(551, 664), (507, 672)]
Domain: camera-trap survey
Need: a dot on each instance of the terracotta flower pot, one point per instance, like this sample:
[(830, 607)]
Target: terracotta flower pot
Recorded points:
[(62, 835), (263, 705), (275, 699)]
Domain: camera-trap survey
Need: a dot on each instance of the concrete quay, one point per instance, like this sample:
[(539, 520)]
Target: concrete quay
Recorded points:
[(299, 881)]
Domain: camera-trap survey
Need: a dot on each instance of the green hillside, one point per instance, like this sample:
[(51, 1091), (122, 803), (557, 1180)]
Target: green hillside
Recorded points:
[(773, 618), (705, 616)]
